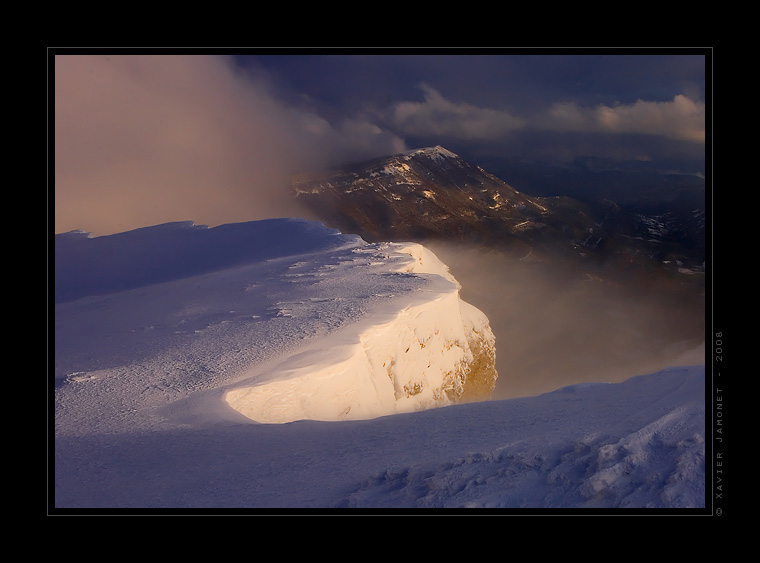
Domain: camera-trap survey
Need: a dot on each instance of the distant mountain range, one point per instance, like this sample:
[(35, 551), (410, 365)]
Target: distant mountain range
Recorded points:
[(433, 194)]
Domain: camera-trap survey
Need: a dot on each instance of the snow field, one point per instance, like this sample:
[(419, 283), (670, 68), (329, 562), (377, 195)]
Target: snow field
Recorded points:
[(141, 373)]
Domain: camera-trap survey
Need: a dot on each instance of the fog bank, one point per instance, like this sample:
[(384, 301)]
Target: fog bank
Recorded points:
[(146, 139), (555, 328)]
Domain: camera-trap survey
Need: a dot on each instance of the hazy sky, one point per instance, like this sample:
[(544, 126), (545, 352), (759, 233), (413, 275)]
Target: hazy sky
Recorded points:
[(142, 139)]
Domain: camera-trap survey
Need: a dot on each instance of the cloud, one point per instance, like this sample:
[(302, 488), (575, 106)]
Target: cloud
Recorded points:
[(353, 139), (438, 116), (141, 140), (681, 119)]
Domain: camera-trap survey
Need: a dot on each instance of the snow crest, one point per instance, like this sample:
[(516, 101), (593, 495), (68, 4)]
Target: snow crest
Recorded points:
[(435, 350)]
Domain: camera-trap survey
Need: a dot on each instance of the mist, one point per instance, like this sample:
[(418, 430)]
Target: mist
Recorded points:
[(556, 327), (146, 139)]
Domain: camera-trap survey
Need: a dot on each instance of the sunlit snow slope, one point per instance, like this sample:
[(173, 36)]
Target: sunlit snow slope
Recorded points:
[(289, 319), (421, 351)]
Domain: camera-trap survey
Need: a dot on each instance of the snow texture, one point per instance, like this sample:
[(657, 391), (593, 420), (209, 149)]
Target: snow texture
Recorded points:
[(283, 365)]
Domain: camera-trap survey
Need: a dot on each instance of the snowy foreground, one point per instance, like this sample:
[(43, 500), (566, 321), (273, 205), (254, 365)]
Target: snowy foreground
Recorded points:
[(282, 365)]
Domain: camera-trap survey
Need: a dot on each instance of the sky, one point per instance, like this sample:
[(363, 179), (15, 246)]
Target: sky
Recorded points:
[(141, 138)]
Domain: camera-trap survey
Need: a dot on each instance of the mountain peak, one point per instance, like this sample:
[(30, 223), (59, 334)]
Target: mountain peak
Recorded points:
[(433, 152), (424, 193)]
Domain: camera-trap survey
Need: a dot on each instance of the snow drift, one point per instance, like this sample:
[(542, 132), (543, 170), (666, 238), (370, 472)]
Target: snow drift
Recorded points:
[(429, 351)]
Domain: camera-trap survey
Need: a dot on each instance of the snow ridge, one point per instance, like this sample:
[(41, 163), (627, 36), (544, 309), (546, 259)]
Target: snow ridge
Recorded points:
[(435, 350)]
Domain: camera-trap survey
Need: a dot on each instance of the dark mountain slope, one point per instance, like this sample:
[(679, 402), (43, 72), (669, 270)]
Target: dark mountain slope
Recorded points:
[(432, 194)]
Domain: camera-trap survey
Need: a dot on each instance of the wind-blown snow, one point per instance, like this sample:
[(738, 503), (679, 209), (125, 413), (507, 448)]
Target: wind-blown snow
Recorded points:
[(413, 354), (177, 347)]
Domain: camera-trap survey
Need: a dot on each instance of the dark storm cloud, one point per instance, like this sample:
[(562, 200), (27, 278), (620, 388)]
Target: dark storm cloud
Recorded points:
[(503, 81), (510, 102)]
